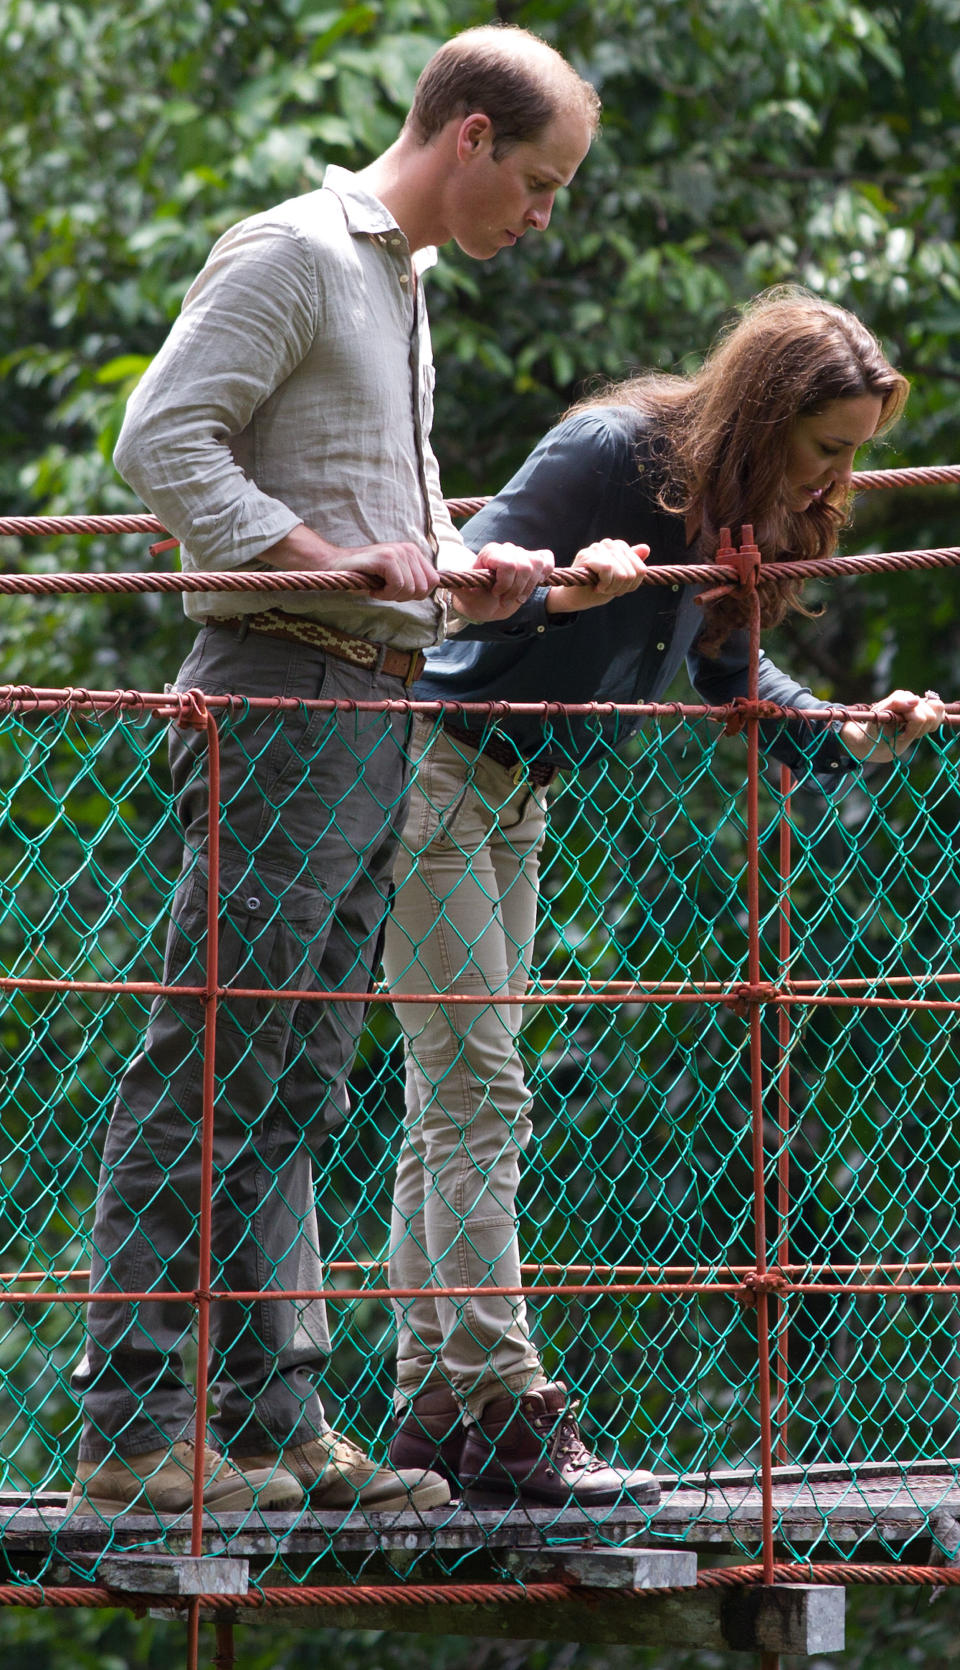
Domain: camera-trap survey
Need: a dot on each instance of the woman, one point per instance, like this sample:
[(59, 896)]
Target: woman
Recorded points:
[(766, 432)]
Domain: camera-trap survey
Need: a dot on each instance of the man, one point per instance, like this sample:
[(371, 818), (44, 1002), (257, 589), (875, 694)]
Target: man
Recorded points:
[(285, 425)]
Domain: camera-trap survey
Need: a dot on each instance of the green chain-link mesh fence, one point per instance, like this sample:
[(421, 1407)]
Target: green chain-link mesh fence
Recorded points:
[(640, 1169)]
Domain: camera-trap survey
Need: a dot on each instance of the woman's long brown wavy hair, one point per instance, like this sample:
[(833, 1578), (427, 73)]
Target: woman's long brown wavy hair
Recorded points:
[(723, 434)]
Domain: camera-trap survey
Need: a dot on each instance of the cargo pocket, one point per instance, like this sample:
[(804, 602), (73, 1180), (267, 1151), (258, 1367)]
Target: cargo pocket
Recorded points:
[(270, 934)]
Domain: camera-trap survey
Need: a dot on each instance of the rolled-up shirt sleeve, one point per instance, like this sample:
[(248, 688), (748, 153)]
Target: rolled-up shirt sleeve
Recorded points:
[(567, 493), (724, 677), (246, 323)]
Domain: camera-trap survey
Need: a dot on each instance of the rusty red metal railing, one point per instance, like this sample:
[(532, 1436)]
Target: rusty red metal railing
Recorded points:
[(765, 1285)]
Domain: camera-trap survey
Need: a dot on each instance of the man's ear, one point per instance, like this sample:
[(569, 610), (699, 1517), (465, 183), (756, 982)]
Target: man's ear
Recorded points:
[(474, 136)]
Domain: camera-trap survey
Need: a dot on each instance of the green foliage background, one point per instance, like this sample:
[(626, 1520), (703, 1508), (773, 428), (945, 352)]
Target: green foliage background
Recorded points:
[(745, 142)]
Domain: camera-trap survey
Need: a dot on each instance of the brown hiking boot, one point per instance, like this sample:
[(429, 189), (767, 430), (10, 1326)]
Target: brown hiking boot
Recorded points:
[(335, 1473), (161, 1481), (528, 1451), (430, 1433)]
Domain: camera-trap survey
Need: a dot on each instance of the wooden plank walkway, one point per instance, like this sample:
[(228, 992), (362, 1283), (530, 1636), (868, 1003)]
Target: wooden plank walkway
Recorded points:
[(828, 1512), (877, 1514)]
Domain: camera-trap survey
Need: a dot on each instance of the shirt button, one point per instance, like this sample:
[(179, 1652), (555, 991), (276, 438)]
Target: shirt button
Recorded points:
[(661, 646), (674, 588), (404, 278)]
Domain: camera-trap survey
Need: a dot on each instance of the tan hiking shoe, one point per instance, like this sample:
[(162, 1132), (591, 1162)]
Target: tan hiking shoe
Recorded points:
[(335, 1473), (161, 1481)]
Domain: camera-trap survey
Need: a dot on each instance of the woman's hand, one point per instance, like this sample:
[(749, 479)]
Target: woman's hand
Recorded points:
[(617, 568), (915, 716), (516, 575)]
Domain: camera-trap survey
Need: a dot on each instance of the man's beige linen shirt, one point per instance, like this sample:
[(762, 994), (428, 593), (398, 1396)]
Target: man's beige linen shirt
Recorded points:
[(297, 386)]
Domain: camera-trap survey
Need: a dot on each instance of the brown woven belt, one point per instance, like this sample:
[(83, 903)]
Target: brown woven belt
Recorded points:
[(407, 664), (505, 754)]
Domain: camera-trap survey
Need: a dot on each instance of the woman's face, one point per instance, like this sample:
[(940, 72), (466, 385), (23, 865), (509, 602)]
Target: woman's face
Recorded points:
[(823, 445)]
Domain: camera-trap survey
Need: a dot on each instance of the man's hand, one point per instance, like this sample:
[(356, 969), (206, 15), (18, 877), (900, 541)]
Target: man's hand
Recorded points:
[(618, 568), (915, 717), (398, 571), (516, 575)]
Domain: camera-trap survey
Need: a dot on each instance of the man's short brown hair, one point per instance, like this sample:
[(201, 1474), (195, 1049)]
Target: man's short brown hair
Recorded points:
[(505, 73)]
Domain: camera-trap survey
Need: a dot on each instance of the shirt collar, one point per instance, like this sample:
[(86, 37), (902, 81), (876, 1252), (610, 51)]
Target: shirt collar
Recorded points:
[(366, 215)]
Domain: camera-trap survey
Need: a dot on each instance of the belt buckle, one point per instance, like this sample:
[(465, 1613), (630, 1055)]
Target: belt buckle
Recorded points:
[(413, 671), (518, 773)]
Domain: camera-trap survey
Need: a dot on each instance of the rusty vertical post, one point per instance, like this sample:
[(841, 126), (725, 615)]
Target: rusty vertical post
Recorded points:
[(747, 564), (224, 1657), (206, 1162), (781, 1361), (193, 1633)]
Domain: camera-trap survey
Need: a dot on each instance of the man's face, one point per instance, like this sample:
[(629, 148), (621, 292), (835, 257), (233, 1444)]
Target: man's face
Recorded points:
[(491, 204)]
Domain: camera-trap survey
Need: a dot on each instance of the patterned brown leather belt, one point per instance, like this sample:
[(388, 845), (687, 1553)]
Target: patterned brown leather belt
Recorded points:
[(505, 754), (303, 629)]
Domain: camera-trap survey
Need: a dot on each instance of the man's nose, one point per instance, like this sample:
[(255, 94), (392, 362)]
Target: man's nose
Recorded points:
[(539, 214)]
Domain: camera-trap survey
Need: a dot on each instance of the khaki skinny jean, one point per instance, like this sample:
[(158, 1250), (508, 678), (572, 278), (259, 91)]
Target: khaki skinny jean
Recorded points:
[(463, 921)]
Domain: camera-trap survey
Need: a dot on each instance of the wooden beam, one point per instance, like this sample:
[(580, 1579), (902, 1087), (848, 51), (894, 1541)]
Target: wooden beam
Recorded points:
[(607, 1568), (785, 1618), (169, 1574)]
